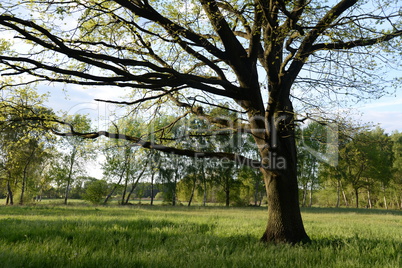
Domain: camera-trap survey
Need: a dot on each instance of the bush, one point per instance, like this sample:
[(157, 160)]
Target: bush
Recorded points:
[(160, 196), (96, 191)]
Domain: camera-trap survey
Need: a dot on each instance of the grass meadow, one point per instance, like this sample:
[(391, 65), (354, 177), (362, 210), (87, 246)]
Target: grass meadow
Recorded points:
[(78, 235)]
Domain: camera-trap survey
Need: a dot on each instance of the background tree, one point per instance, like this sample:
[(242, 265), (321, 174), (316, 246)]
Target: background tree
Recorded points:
[(311, 143), (77, 151), (397, 168), (379, 174), (25, 146), (263, 55)]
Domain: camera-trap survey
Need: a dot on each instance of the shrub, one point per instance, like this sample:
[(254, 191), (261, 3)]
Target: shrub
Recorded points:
[(96, 191)]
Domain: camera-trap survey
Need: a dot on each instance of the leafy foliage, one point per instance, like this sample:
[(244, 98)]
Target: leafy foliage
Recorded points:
[(96, 191)]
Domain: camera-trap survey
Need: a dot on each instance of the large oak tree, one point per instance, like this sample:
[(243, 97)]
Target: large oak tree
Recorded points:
[(263, 55)]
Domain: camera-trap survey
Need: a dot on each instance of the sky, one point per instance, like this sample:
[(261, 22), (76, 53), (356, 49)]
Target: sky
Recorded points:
[(385, 112)]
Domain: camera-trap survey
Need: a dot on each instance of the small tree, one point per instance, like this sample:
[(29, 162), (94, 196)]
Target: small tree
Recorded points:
[(24, 146), (77, 151), (95, 191)]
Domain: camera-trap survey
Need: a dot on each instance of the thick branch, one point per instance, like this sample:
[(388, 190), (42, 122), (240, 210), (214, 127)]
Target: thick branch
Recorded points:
[(229, 40), (305, 49), (356, 43), (166, 149)]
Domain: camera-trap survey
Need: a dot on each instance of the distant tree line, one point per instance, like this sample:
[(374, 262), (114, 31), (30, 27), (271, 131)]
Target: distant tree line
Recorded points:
[(367, 173), (35, 164)]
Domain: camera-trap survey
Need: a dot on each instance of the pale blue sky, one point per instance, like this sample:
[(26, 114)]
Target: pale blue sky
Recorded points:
[(386, 111)]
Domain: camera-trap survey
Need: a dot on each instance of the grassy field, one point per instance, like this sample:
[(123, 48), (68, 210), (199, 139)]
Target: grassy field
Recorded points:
[(77, 235)]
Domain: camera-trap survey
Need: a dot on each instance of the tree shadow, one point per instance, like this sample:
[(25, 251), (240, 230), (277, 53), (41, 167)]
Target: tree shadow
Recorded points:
[(319, 210)]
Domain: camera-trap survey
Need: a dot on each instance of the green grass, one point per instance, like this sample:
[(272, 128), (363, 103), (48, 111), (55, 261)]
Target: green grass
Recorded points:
[(77, 235)]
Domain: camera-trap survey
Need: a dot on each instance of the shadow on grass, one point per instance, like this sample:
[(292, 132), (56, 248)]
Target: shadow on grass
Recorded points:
[(111, 243), (143, 242), (319, 210)]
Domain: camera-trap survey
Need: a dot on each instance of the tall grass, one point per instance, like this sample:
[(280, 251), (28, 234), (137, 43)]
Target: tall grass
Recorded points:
[(85, 236)]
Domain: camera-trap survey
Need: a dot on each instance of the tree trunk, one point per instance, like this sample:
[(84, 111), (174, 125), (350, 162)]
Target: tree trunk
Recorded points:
[(174, 189), (22, 189), (284, 218), (277, 148), (135, 185), (385, 199), (10, 197), (192, 192), (115, 186), (24, 180), (67, 190), (227, 191), (385, 202), (369, 203), (204, 200), (256, 187), (357, 197), (130, 193), (110, 194), (401, 203), (25, 175), (279, 169), (338, 194), (344, 195), (70, 174), (152, 188), (227, 197), (304, 195), (173, 198), (123, 196), (397, 201)]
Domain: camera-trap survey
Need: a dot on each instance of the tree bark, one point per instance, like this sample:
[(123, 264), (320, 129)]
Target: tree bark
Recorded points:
[(227, 192), (135, 184), (385, 199), (110, 194), (130, 193), (152, 188), (204, 180), (123, 197), (338, 194), (70, 174), (284, 218), (400, 203), (256, 193), (369, 203), (285, 223), (23, 189), (25, 175), (385, 202), (343, 194), (10, 198), (304, 195), (115, 186), (192, 192), (174, 188), (273, 132), (357, 197)]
